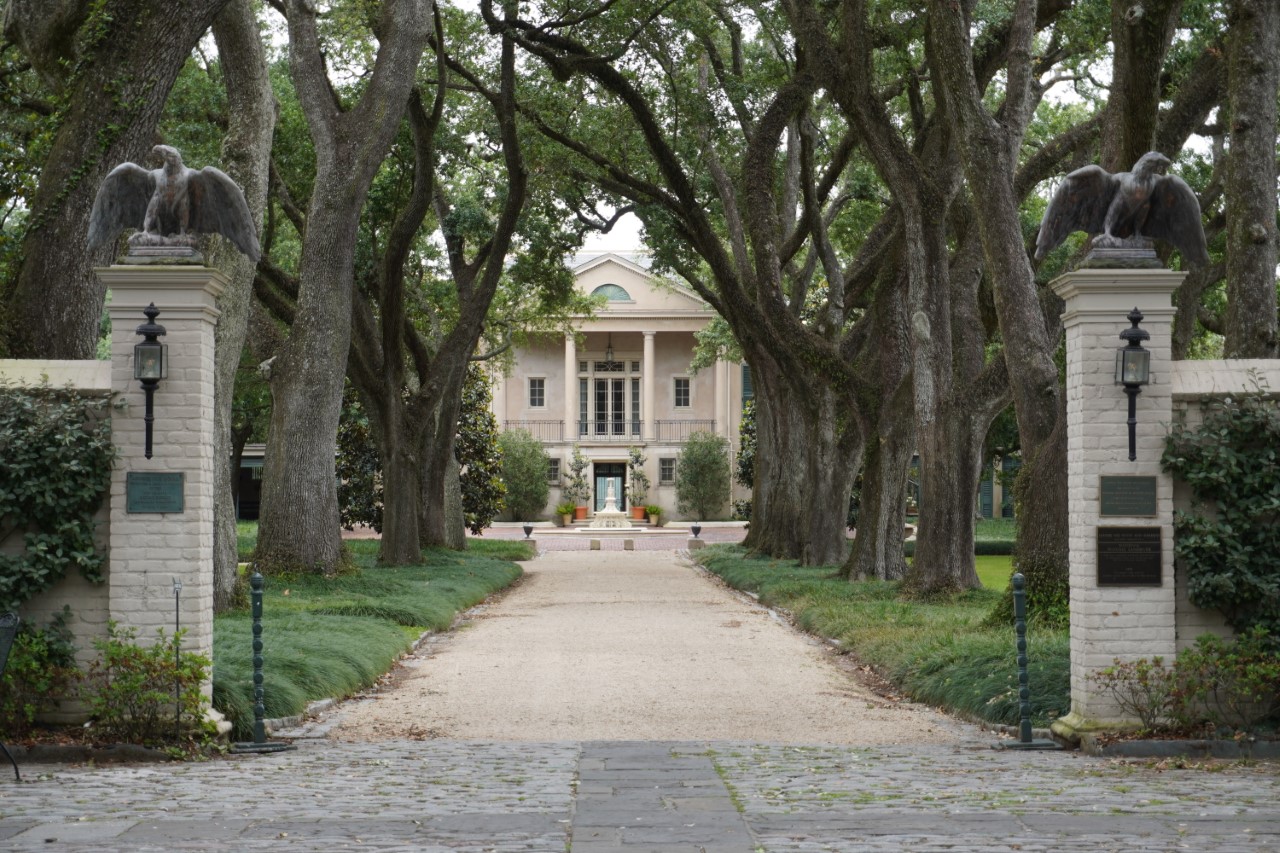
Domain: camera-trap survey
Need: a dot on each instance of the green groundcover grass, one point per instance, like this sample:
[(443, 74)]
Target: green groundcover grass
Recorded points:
[(332, 637), (935, 652)]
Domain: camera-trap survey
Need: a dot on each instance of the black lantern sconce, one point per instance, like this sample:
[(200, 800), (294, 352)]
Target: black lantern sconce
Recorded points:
[(150, 364), (1133, 370), (608, 350)]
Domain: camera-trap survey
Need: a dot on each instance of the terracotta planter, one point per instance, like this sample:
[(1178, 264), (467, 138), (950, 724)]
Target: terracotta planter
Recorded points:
[(579, 512), (637, 512)]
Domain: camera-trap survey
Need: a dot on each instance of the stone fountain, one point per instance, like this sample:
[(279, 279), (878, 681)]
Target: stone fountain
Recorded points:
[(611, 518)]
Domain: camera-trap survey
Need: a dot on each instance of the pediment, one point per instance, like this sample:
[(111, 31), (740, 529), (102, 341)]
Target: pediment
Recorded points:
[(630, 287)]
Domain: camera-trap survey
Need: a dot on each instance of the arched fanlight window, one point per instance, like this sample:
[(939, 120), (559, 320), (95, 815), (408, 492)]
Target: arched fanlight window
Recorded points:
[(612, 292)]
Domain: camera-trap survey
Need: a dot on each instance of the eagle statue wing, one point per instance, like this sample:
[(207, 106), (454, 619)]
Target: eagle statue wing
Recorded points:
[(1080, 204), (121, 203), (218, 206), (1175, 219)]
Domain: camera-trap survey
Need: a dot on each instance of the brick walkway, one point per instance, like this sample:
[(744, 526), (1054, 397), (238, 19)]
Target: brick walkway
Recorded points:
[(438, 796)]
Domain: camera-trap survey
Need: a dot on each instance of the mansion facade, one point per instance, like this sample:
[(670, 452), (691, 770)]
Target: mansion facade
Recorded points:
[(623, 381)]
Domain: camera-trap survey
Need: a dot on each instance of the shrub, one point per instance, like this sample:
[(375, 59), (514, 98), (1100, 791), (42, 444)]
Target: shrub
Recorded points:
[(41, 665), (57, 452), (524, 470), (1229, 541), (702, 475), (131, 690), (1232, 685), (1142, 689)]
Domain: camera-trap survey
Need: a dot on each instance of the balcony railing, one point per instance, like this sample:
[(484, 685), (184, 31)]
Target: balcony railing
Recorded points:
[(542, 430), (681, 430), (606, 430), (672, 431)]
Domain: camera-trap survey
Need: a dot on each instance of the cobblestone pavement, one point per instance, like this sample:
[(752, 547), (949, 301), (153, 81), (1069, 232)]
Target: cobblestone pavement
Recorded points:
[(647, 797)]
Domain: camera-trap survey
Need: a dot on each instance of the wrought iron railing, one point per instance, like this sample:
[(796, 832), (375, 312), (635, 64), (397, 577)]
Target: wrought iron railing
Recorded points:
[(609, 430), (542, 430), (681, 430)]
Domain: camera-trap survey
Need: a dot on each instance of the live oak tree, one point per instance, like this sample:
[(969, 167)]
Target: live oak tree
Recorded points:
[(108, 67), (351, 132), (698, 151)]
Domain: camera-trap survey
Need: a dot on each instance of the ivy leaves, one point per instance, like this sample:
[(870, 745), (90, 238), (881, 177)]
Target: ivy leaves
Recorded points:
[(57, 452), (1230, 539)]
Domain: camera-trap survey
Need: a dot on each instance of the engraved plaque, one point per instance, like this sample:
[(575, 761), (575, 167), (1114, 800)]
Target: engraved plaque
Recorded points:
[(148, 491), (1129, 556), (1128, 496)]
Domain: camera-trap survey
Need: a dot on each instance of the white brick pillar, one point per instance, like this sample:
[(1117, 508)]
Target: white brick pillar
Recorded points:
[(149, 548), (1111, 619)]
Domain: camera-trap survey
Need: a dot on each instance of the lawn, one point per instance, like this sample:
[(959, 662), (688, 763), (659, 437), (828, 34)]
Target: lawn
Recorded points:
[(332, 637), (936, 652)]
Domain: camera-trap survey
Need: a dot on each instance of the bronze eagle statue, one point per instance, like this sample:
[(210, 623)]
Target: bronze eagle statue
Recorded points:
[(171, 205), (1127, 210)]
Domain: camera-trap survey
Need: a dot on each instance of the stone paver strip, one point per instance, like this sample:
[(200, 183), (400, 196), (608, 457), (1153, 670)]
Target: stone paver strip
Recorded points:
[(443, 796)]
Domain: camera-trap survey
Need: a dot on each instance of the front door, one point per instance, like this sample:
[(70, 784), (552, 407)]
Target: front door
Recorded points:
[(604, 472)]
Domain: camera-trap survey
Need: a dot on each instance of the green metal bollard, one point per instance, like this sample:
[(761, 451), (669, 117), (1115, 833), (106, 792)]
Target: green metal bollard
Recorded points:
[(1024, 741), (260, 742)]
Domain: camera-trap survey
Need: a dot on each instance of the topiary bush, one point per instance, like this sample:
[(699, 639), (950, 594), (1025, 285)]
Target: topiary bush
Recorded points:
[(57, 452), (1229, 541)]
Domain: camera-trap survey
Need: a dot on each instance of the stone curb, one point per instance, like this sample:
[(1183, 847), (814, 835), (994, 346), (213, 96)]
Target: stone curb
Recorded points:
[(42, 753), (1227, 749)]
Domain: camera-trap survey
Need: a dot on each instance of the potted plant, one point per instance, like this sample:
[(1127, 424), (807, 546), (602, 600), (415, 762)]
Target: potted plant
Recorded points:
[(576, 488), (564, 509), (654, 512), (639, 482)]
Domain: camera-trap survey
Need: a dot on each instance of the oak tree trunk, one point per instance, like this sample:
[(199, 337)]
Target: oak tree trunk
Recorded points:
[(877, 547), (299, 529), (1254, 75), (246, 154), (807, 454)]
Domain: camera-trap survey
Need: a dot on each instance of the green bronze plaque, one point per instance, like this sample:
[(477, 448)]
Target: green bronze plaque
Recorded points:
[(1128, 496), (1129, 556), (149, 491)]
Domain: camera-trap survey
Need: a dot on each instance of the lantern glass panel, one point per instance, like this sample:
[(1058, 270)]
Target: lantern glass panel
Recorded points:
[(150, 361), (1133, 366)]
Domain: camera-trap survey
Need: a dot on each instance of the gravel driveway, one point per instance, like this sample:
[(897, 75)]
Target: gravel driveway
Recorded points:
[(632, 646)]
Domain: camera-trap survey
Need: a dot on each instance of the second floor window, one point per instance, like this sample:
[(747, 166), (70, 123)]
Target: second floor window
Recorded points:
[(537, 393), (682, 392), (553, 470), (666, 471)]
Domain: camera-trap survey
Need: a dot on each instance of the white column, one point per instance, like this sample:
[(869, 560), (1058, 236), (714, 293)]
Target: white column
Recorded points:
[(570, 388), (499, 406), (151, 548), (722, 398), (648, 384), (1114, 620)]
